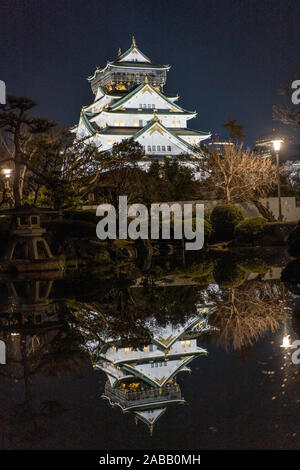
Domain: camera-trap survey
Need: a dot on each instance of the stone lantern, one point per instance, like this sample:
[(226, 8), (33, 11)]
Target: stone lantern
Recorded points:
[(28, 250)]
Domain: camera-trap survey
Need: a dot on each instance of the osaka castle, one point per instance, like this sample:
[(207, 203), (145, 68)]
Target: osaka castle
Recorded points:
[(130, 102), (143, 381)]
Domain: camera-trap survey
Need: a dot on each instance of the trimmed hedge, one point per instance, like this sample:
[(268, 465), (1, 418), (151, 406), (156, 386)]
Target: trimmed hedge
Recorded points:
[(276, 233), (254, 265), (224, 218), (257, 231), (250, 229), (229, 275)]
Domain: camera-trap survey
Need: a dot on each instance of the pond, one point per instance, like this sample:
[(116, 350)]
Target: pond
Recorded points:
[(184, 354)]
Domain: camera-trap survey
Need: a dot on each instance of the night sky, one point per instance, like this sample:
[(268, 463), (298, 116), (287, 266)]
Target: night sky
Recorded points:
[(228, 58)]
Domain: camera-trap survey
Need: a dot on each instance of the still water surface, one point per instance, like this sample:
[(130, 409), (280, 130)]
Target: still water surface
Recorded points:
[(184, 355)]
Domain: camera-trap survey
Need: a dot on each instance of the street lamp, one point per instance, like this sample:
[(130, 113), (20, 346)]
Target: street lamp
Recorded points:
[(276, 145)]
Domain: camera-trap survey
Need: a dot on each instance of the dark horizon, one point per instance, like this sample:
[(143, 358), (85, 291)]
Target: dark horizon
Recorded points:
[(228, 59)]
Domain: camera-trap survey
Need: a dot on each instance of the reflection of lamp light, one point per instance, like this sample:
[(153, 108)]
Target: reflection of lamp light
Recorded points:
[(286, 342), (6, 172)]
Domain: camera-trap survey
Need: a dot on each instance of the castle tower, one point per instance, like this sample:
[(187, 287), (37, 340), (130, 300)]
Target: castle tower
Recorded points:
[(130, 102)]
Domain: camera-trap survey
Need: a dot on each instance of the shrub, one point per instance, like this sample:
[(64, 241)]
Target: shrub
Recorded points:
[(207, 229), (229, 275), (224, 219), (276, 233), (294, 242), (250, 229), (196, 270), (254, 265)]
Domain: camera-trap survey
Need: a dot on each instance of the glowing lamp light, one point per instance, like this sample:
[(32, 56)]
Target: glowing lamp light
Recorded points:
[(286, 343), (276, 145), (7, 172)]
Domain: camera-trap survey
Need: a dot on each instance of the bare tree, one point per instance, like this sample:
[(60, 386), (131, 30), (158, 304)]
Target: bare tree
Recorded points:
[(237, 175), (248, 312)]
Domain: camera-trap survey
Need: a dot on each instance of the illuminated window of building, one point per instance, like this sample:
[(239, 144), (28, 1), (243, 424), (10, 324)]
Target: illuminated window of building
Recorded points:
[(109, 142), (122, 123), (178, 123), (135, 123), (173, 123), (146, 349), (182, 344), (126, 350), (116, 123), (188, 343)]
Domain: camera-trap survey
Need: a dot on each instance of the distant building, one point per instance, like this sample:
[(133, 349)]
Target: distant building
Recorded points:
[(289, 150), (218, 142)]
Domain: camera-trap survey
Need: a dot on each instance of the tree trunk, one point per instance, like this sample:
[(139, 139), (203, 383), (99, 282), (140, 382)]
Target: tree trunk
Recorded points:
[(264, 211), (228, 195), (16, 185)]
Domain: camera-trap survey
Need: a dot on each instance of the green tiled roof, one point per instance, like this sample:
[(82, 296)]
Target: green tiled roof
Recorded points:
[(140, 87), (186, 131)]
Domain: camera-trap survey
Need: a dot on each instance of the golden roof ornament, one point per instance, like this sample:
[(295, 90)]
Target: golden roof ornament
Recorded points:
[(133, 41), (119, 51), (146, 79), (155, 118), (151, 429)]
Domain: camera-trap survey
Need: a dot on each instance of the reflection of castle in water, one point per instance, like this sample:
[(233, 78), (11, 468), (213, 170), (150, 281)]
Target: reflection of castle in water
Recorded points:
[(143, 381)]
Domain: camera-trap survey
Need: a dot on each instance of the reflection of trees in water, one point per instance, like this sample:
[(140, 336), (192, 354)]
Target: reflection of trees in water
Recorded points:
[(124, 313), (248, 312), (50, 348)]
